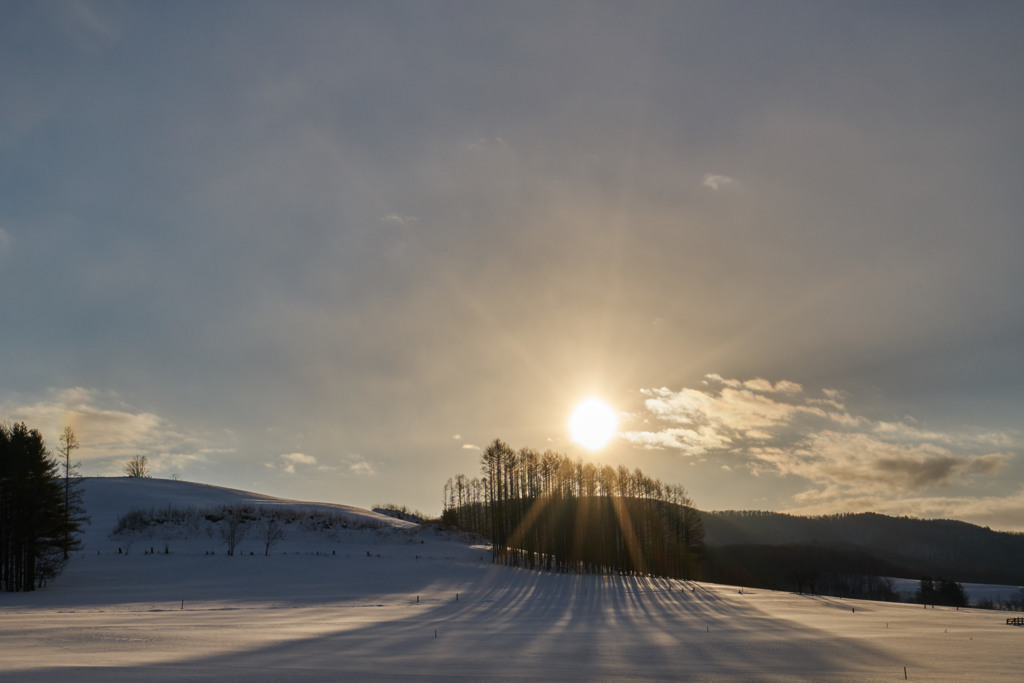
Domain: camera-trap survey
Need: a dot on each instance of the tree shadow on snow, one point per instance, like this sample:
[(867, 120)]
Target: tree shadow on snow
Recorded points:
[(520, 624)]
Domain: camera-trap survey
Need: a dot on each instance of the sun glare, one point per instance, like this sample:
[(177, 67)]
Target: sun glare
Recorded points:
[(592, 424)]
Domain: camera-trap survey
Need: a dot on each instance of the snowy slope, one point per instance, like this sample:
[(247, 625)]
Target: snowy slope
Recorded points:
[(399, 602), (106, 498)]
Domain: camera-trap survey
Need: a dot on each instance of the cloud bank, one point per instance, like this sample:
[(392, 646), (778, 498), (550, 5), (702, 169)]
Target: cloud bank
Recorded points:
[(111, 431), (848, 459)]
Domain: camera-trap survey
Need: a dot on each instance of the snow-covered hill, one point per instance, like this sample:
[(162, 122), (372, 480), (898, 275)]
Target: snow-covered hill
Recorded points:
[(108, 498), (391, 601)]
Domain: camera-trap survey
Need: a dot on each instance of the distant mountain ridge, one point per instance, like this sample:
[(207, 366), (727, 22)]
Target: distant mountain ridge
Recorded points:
[(951, 549)]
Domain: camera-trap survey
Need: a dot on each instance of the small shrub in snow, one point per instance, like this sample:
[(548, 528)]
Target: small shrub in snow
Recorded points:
[(233, 523)]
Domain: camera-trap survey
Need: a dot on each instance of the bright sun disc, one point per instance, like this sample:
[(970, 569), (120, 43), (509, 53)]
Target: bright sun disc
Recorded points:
[(592, 424)]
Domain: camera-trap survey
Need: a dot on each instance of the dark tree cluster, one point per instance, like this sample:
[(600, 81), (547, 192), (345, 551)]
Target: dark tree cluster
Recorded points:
[(803, 568), (941, 592), (548, 511), (39, 509)]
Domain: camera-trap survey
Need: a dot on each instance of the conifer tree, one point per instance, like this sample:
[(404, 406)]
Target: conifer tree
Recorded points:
[(35, 528)]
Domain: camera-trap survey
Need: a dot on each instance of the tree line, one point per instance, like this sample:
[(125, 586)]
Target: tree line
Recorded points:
[(547, 511), (811, 568), (40, 507)]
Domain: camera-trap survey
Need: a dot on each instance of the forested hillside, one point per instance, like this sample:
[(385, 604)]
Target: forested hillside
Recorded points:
[(914, 547)]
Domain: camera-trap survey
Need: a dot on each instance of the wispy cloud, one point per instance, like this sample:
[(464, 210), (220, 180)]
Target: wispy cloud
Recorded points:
[(293, 459), (686, 440), (92, 24), (359, 466), (716, 181), (466, 446), (400, 219), (486, 143), (299, 458)]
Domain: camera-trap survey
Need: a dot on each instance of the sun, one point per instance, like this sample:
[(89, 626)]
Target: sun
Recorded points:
[(593, 424)]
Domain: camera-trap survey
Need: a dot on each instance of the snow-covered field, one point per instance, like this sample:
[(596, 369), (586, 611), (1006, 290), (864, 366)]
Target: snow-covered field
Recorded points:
[(402, 603)]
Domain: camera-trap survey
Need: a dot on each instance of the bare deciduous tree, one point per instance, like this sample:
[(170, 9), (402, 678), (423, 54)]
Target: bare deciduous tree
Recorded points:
[(74, 509), (137, 467), (270, 531), (232, 528)]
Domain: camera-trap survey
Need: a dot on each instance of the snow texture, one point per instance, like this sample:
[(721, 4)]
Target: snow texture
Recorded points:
[(398, 602)]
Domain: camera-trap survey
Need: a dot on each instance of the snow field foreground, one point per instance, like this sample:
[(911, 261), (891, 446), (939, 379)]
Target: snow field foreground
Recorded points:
[(401, 603)]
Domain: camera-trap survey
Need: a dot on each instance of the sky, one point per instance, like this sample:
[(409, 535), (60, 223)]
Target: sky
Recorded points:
[(331, 250)]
